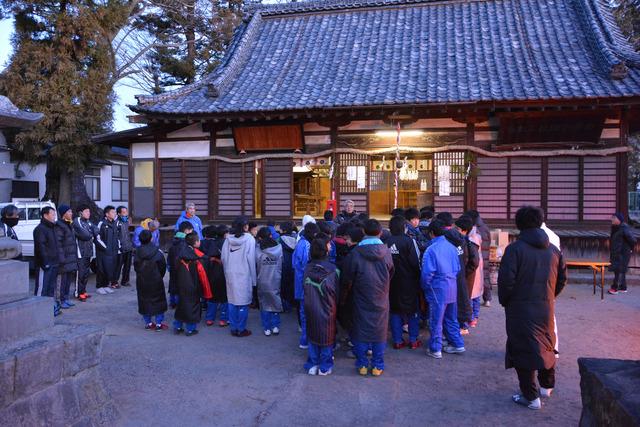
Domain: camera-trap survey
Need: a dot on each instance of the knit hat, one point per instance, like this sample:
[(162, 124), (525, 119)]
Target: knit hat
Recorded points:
[(620, 216), (62, 209), (306, 219)]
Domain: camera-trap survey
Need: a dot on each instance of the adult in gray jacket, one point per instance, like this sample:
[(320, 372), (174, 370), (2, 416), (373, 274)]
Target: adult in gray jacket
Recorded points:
[(239, 263), (85, 232), (126, 245)]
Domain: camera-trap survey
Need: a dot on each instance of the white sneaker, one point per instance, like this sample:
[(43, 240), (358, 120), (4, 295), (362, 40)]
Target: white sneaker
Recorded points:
[(275, 330), (313, 370), (434, 354), (533, 404), (267, 332), (486, 304), (109, 290), (545, 392), (324, 374), (102, 291), (453, 350)]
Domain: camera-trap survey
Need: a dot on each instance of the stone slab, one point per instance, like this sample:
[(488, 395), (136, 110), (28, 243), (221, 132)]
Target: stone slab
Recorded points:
[(24, 317), (610, 390), (14, 280)]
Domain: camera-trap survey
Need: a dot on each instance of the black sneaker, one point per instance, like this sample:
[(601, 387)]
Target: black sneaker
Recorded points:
[(189, 333), (148, 326), (178, 331)]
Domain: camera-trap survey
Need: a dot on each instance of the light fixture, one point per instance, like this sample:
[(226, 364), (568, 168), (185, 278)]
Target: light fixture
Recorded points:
[(394, 133)]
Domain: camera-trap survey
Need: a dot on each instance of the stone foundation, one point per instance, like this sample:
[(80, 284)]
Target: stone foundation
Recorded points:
[(610, 391), (52, 378)]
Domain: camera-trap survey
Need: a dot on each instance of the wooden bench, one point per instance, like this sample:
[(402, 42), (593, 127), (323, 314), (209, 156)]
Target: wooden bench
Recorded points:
[(595, 266)]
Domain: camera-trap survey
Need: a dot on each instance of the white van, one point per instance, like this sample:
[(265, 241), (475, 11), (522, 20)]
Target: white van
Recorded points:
[(29, 214)]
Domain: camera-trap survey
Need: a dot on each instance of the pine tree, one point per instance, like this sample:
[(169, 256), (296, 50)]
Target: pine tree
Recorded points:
[(63, 66)]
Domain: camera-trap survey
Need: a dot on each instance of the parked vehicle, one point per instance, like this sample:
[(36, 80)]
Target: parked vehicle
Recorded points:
[(29, 214)]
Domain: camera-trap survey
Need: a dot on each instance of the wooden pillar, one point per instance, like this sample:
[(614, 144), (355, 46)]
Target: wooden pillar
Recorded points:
[(471, 184), (336, 167), (157, 191), (508, 187), (213, 179), (544, 185), (622, 166)]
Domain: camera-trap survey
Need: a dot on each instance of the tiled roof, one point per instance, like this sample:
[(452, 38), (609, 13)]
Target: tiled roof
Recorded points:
[(352, 53), (12, 117)]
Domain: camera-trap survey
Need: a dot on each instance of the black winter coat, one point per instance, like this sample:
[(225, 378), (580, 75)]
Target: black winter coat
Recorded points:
[(215, 271), (150, 268), (405, 283), (345, 295), (622, 244), (368, 274), (45, 244), (462, 244), (84, 232), (287, 280), (321, 301), (532, 274), (67, 247), (188, 287), (177, 246)]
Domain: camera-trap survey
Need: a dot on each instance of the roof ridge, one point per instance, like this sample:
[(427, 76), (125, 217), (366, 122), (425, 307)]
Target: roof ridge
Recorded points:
[(617, 42), (219, 79), (324, 5)]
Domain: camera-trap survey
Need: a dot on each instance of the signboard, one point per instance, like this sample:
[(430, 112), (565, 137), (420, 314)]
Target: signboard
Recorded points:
[(362, 177), (444, 181), (352, 172)]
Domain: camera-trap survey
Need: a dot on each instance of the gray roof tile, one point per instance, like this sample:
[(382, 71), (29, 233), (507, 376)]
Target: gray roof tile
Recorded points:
[(390, 52)]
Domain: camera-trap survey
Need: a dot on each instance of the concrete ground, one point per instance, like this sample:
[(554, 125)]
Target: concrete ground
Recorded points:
[(214, 379)]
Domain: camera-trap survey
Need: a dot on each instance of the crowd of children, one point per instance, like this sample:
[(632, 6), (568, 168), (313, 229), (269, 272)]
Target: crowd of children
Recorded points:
[(344, 276)]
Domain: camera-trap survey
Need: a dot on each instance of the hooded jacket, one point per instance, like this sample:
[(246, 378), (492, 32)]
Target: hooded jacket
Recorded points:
[(150, 267), (194, 220), (468, 263), (188, 287), (440, 268), (299, 262), (321, 301), (368, 274), (84, 231), (532, 273), (287, 281), (45, 244), (67, 247), (405, 284), (239, 262), (622, 244), (269, 275)]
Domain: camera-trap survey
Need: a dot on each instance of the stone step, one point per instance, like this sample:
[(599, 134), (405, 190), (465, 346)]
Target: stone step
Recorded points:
[(21, 318), (14, 280)]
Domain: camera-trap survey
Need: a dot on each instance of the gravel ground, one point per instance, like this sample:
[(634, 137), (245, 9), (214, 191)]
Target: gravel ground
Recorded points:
[(160, 379)]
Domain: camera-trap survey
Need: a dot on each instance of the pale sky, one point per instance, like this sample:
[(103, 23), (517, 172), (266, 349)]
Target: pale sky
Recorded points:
[(125, 95)]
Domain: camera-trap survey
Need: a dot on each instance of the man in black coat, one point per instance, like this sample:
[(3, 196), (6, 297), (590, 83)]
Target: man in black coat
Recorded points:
[(67, 253), (621, 247), (150, 267), (84, 231), (532, 274), (368, 273), (126, 245), (107, 250), (405, 284), (45, 245)]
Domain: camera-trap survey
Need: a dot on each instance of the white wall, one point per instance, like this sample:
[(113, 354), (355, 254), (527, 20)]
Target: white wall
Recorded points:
[(105, 187)]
